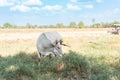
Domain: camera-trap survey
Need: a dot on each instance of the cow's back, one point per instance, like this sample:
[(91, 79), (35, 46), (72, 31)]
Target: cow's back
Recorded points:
[(53, 36), (42, 41)]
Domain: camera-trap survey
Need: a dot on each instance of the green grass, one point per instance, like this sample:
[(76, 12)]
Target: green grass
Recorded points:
[(72, 65)]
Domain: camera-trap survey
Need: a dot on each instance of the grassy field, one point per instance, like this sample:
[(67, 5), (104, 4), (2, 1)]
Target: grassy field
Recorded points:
[(94, 54)]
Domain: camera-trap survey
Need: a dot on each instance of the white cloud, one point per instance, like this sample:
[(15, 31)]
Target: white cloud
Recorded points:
[(19, 2), (21, 8), (73, 0), (99, 1), (32, 2), (55, 7), (73, 7), (5, 3), (111, 13), (90, 6)]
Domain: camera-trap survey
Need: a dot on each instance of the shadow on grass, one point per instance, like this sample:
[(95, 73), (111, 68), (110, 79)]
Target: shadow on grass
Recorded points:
[(71, 66)]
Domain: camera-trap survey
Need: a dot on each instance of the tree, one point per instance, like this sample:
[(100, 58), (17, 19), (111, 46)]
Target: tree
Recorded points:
[(93, 22), (116, 22), (73, 25), (28, 25), (7, 25), (81, 24), (97, 25), (60, 25), (105, 25), (51, 26)]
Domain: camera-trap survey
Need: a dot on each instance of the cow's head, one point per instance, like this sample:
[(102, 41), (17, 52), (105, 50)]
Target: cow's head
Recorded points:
[(57, 48), (57, 45)]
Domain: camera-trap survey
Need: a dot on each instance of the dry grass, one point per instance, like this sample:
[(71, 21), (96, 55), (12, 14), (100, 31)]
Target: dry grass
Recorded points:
[(84, 41)]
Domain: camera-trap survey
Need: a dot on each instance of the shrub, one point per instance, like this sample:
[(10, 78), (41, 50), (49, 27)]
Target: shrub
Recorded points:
[(75, 61), (50, 64), (69, 67)]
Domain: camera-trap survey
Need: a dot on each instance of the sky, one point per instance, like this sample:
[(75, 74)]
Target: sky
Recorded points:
[(51, 12)]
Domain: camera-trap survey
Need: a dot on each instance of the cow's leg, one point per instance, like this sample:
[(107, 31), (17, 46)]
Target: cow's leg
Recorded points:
[(39, 58), (39, 54)]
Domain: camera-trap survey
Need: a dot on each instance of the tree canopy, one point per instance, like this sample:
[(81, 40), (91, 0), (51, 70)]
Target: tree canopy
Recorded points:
[(81, 24)]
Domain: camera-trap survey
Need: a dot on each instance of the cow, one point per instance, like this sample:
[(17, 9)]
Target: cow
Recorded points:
[(116, 29), (49, 43)]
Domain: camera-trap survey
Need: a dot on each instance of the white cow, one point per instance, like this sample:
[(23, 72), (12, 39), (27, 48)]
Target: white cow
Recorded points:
[(49, 43)]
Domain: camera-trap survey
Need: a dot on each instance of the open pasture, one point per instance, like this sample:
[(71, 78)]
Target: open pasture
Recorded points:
[(101, 49), (84, 41)]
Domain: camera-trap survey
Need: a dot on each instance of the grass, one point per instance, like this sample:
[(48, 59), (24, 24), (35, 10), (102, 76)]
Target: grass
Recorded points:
[(24, 66), (90, 57)]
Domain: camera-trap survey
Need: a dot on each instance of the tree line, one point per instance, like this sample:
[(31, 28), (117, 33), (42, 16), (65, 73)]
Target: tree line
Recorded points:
[(61, 25)]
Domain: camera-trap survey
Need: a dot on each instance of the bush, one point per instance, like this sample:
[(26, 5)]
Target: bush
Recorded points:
[(69, 67), (50, 64), (75, 61), (18, 66)]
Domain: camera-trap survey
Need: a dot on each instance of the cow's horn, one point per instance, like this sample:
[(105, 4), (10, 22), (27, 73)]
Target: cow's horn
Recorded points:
[(65, 45)]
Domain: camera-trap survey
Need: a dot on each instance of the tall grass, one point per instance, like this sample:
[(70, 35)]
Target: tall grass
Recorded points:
[(71, 66)]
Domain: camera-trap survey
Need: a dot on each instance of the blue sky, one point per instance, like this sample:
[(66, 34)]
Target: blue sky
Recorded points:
[(51, 12)]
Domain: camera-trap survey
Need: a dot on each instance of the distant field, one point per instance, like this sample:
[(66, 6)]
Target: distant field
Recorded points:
[(94, 54), (13, 41)]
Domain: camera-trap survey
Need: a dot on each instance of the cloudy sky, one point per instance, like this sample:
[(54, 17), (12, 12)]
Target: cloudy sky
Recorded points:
[(51, 12)]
